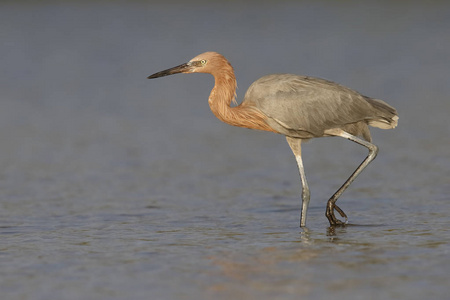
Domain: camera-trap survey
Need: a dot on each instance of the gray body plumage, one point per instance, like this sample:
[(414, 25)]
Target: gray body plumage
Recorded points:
[(305, 107)]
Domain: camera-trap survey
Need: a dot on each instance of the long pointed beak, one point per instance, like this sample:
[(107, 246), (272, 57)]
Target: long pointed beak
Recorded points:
[(184, 68)]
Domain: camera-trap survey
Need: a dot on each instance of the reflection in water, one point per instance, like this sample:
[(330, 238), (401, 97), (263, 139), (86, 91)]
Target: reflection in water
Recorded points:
[(331, 232), (263, 272)]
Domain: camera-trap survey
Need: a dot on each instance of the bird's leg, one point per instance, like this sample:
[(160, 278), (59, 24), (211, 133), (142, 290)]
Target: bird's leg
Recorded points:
[(295, 145), (305, 191), (331, 205)]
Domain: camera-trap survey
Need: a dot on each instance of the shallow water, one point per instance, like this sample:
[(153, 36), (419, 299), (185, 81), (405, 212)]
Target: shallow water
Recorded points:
[(114, 187)]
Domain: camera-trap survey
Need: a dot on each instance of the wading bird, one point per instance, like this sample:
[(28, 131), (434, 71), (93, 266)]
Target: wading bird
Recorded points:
[(299, 107)]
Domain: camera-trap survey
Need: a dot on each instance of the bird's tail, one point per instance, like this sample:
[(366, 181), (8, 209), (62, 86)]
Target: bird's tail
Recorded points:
[(387, 117)]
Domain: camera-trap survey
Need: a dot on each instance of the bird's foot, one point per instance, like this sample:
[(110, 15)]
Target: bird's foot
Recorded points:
[(331, 206)]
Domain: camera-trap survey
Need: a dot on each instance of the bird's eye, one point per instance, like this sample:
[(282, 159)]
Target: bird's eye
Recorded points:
[(203, 61)]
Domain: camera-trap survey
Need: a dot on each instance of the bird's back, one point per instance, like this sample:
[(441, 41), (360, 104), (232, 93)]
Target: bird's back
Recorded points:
[(305, 107)]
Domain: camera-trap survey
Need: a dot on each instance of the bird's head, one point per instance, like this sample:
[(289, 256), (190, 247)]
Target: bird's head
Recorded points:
[(208, 62)]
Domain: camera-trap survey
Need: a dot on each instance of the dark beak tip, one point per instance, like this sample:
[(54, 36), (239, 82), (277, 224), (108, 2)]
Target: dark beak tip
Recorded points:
[(178, 69), (157, 75)]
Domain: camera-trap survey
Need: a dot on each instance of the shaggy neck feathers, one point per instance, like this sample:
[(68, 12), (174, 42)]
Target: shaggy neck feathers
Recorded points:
[(224, 93)]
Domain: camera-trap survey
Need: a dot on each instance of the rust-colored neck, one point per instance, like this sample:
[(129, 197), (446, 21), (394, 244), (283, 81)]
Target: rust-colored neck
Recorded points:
[(224, 93)]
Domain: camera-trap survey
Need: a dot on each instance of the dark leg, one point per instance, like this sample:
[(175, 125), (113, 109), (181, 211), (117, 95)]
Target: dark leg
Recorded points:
[(331, 205)]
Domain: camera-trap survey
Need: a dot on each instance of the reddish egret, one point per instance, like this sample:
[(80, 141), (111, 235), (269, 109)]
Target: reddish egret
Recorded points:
[(299, 107)]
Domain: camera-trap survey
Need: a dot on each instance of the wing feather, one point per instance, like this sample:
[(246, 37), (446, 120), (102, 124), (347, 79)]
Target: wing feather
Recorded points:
[(308, 104)]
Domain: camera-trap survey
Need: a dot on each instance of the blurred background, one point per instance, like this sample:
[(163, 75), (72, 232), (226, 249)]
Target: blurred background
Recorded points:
[(115, 186)]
